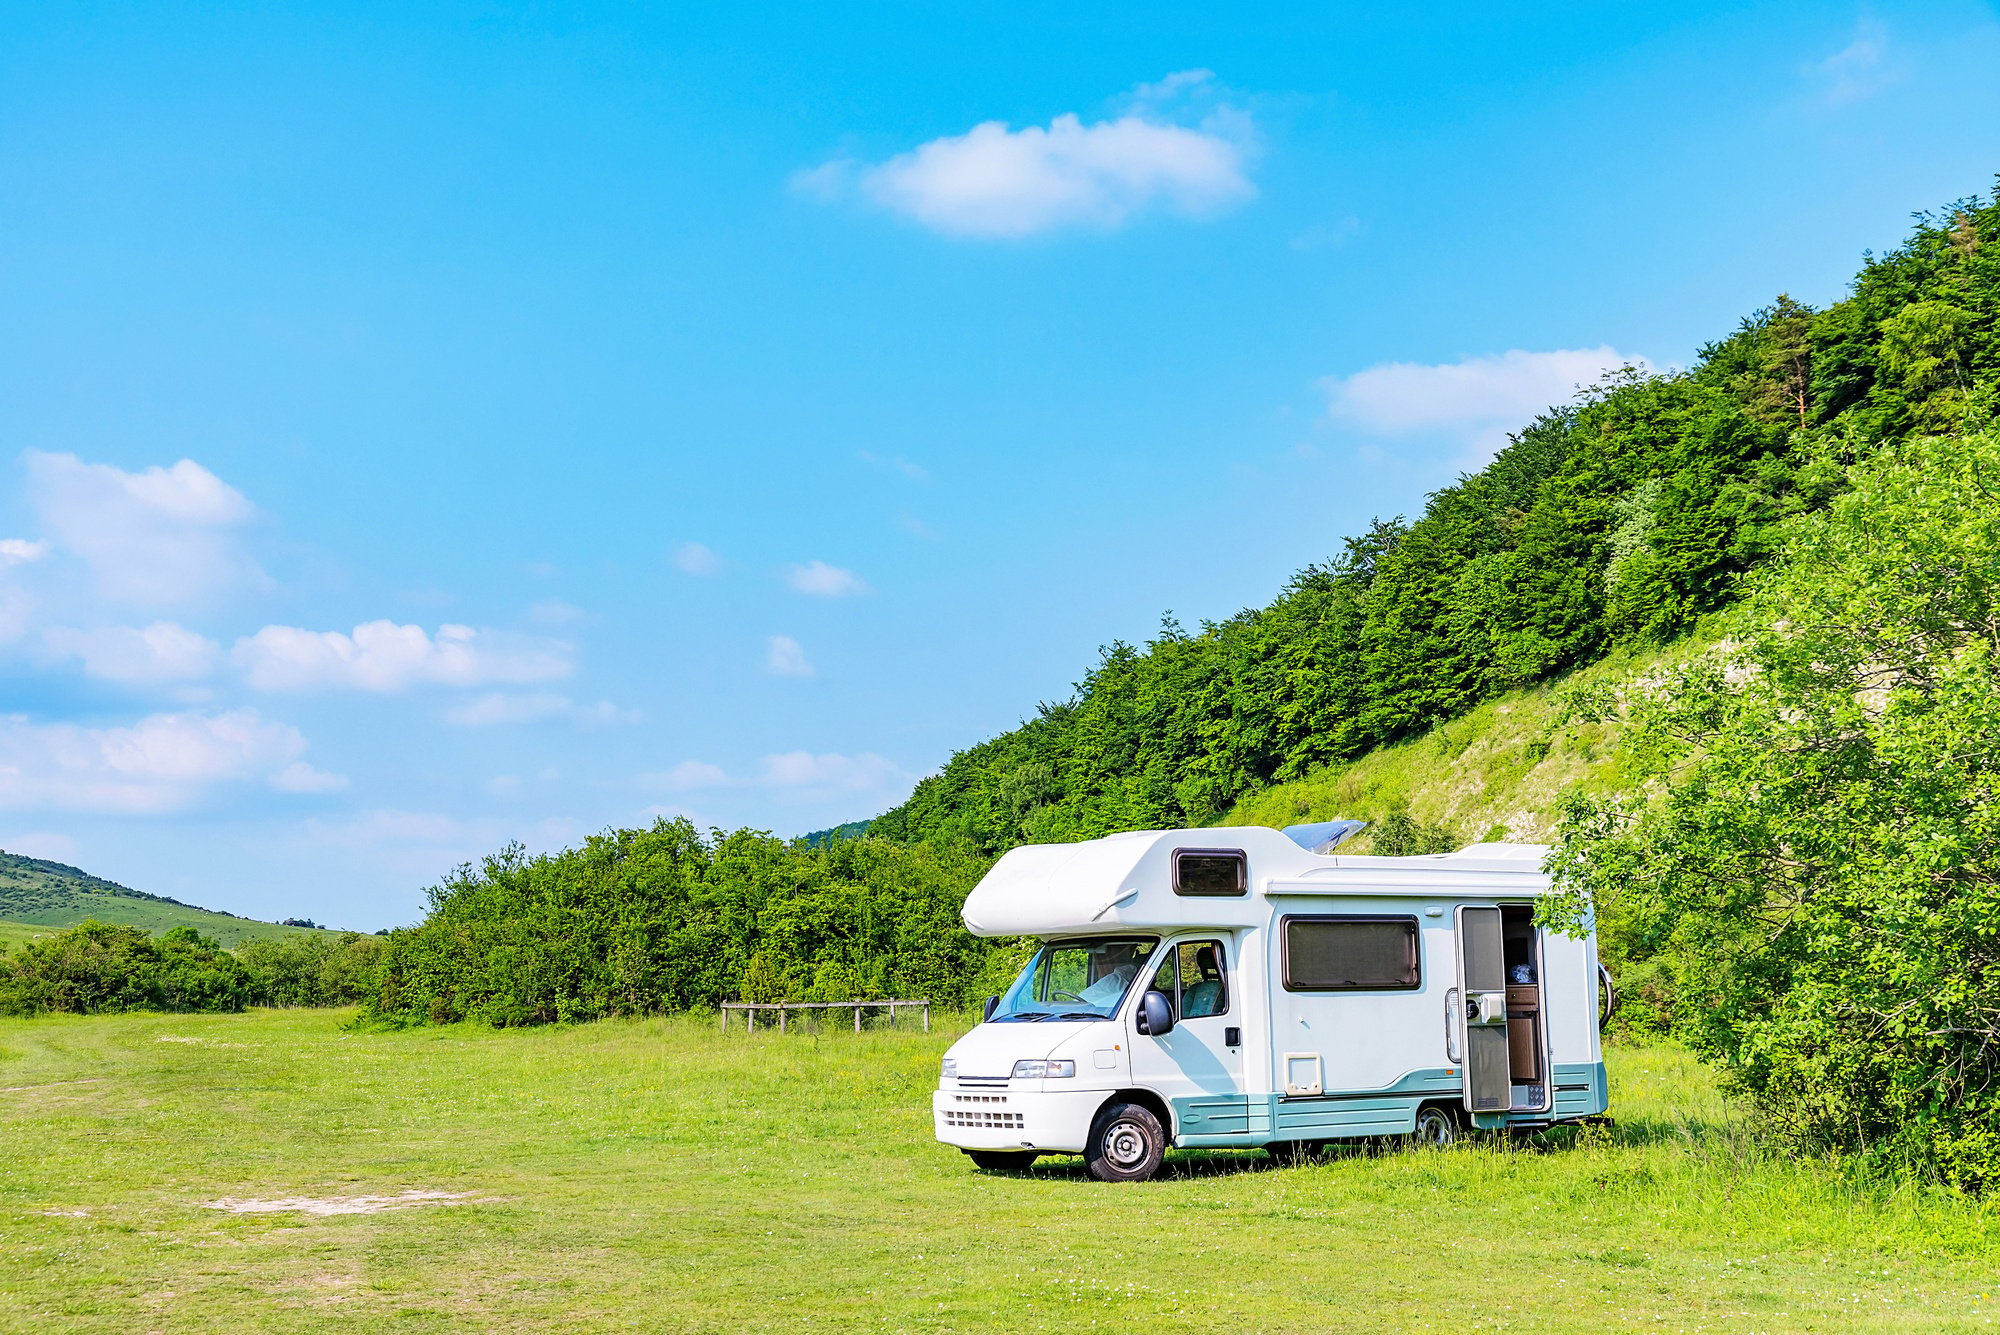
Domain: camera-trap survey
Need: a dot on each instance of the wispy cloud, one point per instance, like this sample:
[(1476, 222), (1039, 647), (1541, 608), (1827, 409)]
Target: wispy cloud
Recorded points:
[(895, 464), (136, 655), (1858, 70), (161, 763), (786, 657), (817, 579), (499, 707), (693, 558), (795, 775), (383, 656), (996, 182)]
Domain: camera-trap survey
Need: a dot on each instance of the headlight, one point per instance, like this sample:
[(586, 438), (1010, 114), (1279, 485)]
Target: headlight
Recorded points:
[(948, 1068), (1028, 1069)]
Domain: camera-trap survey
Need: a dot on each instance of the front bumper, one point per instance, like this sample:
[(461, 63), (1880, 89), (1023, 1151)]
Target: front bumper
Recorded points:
[(1021, 1115)]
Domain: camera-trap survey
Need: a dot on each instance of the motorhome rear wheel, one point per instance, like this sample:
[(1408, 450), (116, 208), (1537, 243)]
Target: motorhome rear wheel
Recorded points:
[(1436, 1128)]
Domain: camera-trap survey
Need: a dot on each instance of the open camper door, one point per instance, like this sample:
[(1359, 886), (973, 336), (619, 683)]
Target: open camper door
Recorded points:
[(1482, 1000)]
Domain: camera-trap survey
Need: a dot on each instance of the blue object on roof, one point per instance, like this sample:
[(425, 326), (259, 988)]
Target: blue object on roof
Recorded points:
[(1325, 836)]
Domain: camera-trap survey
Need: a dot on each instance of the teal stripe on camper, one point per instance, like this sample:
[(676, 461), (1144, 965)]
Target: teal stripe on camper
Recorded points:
[(1224, 1116), (1222, 1121), (1581, 1090)]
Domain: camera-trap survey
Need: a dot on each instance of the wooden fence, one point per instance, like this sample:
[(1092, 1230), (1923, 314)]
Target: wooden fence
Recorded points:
[(750, 1009)]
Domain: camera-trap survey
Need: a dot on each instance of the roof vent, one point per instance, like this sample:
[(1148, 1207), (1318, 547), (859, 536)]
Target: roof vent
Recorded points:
[(1325, 836)]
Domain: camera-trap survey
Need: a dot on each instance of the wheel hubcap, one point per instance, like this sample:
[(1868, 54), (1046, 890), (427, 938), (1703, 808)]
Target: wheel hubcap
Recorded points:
[(1125, 1145)]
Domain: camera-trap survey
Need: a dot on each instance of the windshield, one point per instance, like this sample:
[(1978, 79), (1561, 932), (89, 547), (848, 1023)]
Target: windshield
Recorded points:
[(1075, 980)]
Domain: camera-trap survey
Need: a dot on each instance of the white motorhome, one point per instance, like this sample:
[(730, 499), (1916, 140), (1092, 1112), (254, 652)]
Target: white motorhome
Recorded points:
[(1243, 986)]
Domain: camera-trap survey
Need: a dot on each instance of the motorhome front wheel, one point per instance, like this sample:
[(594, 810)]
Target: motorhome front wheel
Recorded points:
[(1126, 1144)]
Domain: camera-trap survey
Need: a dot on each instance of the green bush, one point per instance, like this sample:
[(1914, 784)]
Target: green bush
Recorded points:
[(96, 967), (312, 968), (641, 921), (1809, 872)]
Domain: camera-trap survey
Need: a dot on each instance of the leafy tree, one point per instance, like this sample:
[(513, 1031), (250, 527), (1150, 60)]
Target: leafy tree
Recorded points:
[(96, 967), (1811, 869)]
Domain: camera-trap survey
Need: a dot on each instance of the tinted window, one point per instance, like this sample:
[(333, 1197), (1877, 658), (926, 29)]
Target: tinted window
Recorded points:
[(1350, 954), (1209, 871)]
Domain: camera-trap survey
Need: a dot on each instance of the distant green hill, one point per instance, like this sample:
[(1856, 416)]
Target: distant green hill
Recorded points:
[(37, 895)]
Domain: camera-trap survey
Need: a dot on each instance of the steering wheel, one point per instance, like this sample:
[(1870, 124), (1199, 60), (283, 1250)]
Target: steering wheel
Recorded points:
[(1068, 996)]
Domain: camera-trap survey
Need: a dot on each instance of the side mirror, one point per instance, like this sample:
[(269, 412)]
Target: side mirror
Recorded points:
[(992, 1004), (1156, 1014)]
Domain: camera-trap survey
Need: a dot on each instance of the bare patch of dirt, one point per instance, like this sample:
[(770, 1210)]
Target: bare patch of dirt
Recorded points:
[(331, 1205)]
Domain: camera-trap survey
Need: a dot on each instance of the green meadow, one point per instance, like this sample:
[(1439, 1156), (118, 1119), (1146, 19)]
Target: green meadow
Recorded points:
[(659, 1175)]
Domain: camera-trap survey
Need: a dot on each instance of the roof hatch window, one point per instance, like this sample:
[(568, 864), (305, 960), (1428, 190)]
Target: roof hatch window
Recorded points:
[(1211, 871)]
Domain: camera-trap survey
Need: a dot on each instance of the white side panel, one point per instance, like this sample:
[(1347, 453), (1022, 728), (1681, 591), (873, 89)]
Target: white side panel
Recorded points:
[(1569, 995), (1367, 1040)]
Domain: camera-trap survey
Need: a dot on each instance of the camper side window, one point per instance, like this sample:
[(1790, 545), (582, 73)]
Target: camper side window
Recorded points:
[(1204, 988), (1210, 871), (1350, 954)]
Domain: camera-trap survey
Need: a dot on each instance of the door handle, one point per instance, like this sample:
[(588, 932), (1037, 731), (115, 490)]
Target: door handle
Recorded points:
[(1451, 1026)]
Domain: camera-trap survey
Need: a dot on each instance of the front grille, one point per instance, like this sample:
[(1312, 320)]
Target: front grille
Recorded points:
[(1012, 1121), (980, 1098)]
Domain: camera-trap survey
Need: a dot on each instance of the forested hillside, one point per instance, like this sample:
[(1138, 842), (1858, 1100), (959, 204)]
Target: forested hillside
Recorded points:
[(1620, 518)]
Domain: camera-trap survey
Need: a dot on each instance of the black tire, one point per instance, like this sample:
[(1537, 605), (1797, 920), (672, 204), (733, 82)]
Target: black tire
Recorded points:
[(1437, 1127), (1004, 1161), (1127, 1144)]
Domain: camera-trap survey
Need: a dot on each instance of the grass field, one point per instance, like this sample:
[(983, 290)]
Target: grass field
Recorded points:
[(14, 933), (658, 1176)]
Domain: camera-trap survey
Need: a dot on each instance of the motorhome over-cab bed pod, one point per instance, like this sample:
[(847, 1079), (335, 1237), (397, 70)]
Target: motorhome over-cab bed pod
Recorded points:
[(1228, 987)]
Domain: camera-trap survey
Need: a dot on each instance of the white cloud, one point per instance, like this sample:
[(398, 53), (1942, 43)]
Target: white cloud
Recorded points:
[(820, 580), (41, 844), (692, 558), (803, 769), (20, 552), (786, 657), (383, 656), (556, 612), (895, 463), (135, 655), (688, 774), (993, 181), (498, 707), (162, 537), (1859, 69), (796, 775), (161, 763), (299, 777), (1397, 397)]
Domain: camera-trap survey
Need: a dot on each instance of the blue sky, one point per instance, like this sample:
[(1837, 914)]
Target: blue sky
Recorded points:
[(428, 426)]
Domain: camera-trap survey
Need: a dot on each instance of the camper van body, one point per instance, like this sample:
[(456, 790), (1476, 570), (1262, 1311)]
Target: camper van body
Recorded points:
[(1313, 997)]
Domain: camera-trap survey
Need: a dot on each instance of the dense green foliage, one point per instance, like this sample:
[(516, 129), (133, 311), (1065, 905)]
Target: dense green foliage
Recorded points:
[(1623, 517), (98, 967), (638, 921), (1812, 878), (312, 968)]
